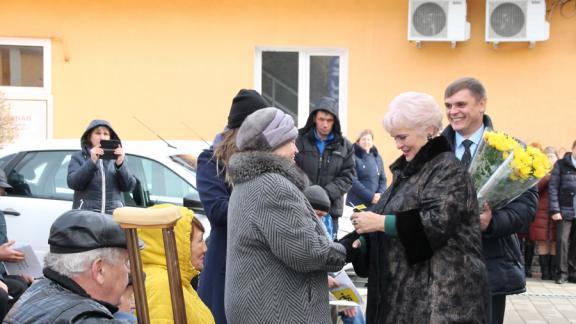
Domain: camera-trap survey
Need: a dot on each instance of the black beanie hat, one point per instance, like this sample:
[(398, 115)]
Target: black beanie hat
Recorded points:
[(318, 198), (246, 102)]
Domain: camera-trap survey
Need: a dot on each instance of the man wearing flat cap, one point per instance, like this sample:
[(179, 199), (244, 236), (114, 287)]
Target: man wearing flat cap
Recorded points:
[(86, 273)]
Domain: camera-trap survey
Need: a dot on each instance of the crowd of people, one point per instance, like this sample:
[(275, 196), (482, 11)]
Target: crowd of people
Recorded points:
[(274, 194)]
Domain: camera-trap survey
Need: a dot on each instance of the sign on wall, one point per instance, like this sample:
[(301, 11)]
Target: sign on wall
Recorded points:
[(31, 118)]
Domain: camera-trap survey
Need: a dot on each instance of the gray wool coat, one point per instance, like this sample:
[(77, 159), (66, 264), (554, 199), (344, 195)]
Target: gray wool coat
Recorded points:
[(433, 271), (278, 254)]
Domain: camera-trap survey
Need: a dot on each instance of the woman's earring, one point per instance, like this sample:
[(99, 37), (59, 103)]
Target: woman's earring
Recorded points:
[(429, 137)]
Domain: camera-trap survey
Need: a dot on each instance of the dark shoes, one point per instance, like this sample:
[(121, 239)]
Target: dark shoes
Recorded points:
[(561, 280)]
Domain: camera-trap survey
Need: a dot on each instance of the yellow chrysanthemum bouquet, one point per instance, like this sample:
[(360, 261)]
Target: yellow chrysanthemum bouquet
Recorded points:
[(502, 169)]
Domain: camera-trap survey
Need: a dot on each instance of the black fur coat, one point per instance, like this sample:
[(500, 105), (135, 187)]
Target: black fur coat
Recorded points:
[(433, 271)]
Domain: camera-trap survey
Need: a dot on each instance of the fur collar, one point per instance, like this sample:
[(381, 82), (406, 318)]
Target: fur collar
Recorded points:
[(245, 166), (361, 153), (429, 151)]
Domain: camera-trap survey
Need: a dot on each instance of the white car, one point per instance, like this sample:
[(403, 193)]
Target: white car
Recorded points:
[(38, 173)]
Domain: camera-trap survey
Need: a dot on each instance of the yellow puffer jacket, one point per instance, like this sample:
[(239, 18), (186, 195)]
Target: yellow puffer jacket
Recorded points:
[(154, 263)]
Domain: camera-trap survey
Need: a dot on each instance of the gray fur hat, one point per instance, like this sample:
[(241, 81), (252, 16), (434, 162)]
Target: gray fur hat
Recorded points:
[(317, 197), (265, 130)]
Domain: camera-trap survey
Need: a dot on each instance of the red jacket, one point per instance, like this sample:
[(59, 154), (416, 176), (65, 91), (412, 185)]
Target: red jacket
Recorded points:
[(543, 228)]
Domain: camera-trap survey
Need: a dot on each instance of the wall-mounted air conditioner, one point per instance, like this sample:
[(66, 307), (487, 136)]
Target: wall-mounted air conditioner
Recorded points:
[(437, 21), (516, 21)]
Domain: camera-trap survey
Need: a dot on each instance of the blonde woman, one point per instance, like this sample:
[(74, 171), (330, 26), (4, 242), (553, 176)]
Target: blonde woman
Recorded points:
[(422, 244)]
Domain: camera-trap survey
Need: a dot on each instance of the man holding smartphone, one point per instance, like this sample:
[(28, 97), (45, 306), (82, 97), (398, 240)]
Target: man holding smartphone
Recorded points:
[(97, 173)]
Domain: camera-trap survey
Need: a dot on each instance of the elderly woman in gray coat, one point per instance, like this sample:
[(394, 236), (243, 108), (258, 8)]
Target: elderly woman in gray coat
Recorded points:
[(421, 247), (278, 255)]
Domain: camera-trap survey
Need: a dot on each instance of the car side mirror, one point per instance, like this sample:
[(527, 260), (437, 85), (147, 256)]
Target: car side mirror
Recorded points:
[(193, 204)]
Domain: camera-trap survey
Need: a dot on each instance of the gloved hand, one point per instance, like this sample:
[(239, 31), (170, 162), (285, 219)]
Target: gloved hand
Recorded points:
[(348, 242)]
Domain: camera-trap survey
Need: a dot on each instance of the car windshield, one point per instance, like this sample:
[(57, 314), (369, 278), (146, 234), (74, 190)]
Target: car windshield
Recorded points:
[(188, 161)]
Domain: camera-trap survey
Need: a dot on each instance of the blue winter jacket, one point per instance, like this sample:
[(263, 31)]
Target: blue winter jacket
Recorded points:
[(370, 177), (98, 186), (214, 195)]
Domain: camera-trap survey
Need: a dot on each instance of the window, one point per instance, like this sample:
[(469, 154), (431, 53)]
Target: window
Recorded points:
[(25, 64), (25, 80), (21, 66), (162, 184), (6, 159), (294, 79), (42, 175)]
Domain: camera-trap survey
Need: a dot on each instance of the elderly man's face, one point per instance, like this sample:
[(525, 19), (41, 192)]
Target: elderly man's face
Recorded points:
[(464, 112), (115, 278)]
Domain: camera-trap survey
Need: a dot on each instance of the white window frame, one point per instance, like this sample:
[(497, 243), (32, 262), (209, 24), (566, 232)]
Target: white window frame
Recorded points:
[(43, 93), (304, 54)]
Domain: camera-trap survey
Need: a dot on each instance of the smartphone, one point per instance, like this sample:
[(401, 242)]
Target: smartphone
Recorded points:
[(109, 146)]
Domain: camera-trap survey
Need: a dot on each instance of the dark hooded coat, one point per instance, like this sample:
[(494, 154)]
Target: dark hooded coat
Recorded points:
[(433, 271), (370, 177), (500, 243), (278, 253), (334, 169), (562, 188), (98, 186), (214, 195)]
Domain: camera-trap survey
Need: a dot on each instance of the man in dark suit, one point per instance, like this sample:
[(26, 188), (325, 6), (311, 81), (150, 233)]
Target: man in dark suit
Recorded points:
[(465, 102)]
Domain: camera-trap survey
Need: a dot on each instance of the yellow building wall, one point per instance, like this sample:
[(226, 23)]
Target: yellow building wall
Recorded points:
[(169, 62)]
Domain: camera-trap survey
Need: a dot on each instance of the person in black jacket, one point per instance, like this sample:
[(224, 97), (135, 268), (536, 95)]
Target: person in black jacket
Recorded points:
[(97, 183), (213, 185), (465, 102), (326, 156), (86, 273), (562, 192), (370, 180)]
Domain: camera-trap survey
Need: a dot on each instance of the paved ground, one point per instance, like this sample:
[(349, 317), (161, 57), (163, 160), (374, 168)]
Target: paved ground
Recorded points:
[(543, 302)]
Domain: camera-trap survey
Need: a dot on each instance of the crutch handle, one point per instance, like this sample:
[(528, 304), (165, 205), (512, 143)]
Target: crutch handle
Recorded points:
[(133, 217)]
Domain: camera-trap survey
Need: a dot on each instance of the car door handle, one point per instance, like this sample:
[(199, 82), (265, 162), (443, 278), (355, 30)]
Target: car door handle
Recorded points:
[(10, 211)]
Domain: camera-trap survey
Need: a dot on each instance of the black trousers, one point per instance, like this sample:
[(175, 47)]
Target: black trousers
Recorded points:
[(498, 308), (16, 287)]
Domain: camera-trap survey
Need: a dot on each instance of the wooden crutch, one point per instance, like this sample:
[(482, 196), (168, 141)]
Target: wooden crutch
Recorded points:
[(132, 218)]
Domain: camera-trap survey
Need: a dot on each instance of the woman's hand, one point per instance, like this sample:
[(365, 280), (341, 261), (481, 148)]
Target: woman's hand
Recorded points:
[(119, 152), (9, 254), (332, 283), (350, 312), (485, 217), (3, 286), (557, 217), (96, 152), (367, 222), (376, 198)]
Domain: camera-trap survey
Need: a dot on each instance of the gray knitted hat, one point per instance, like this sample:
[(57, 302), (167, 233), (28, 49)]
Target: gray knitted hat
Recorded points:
[(317, 197), (265, 130)]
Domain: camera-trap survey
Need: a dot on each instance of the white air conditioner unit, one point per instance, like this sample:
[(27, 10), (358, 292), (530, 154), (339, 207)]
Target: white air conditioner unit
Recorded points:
[(516, 21), (437, 21)]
